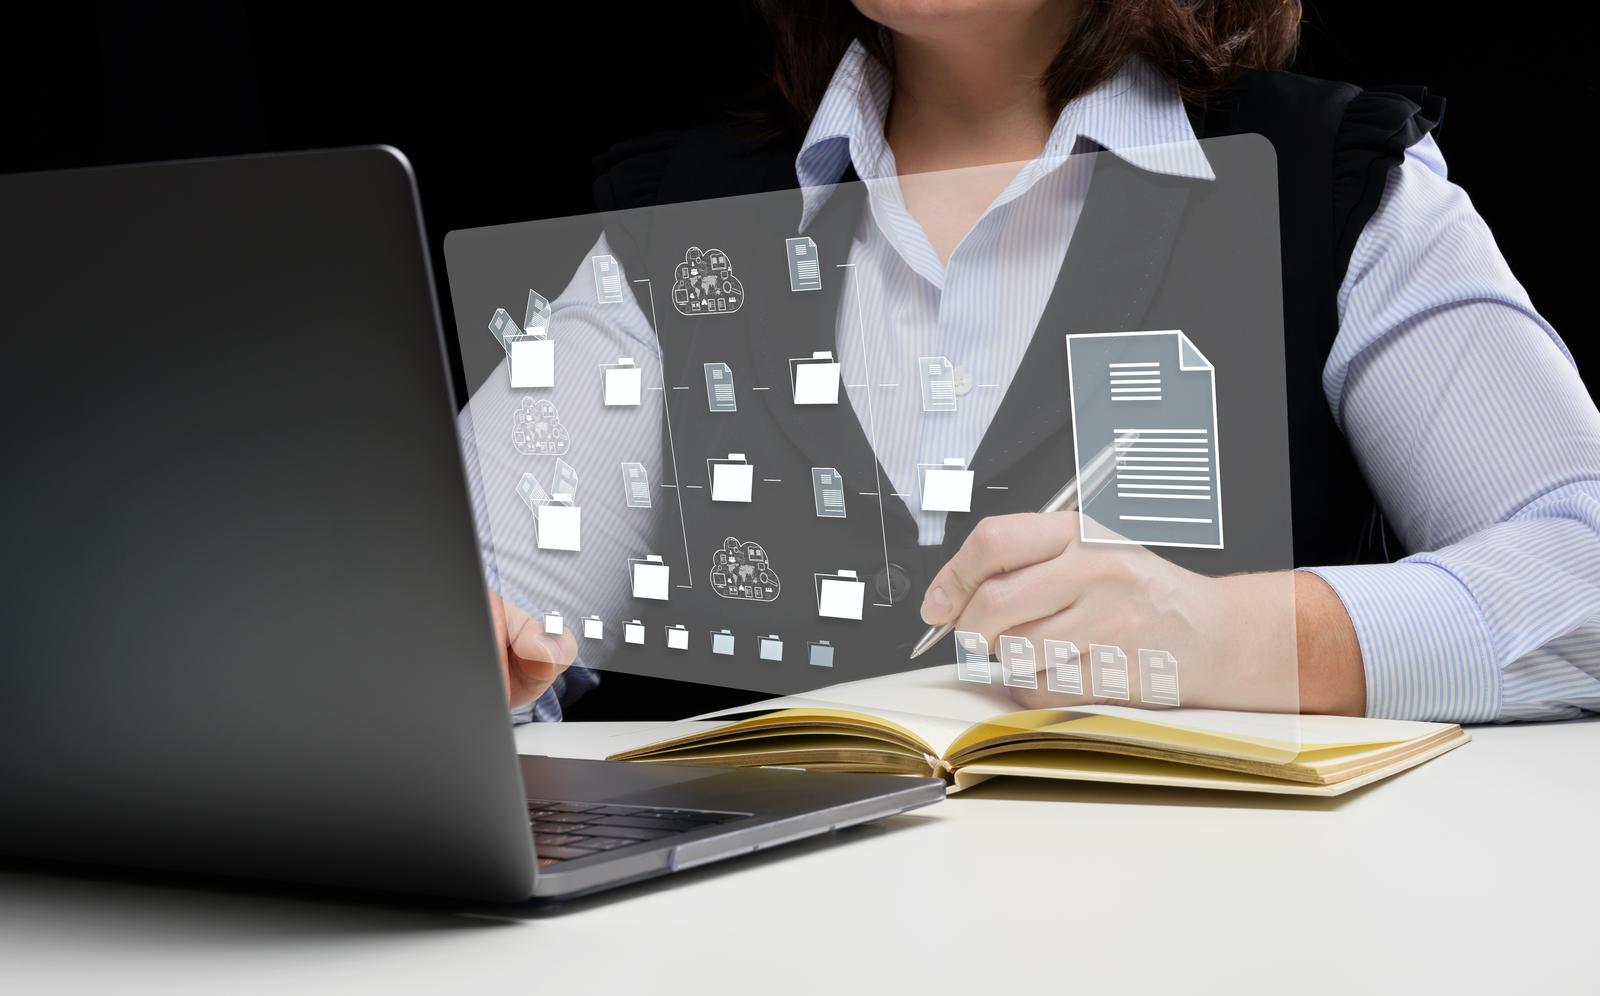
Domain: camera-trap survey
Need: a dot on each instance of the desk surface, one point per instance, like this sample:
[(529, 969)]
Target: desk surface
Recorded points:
[(1467, 872)]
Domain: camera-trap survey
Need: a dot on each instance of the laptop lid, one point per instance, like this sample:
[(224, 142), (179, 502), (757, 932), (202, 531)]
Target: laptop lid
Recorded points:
[(245, 625)]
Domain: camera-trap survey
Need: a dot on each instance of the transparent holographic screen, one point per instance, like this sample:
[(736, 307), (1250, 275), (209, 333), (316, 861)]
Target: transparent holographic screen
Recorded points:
[(1220, 285)]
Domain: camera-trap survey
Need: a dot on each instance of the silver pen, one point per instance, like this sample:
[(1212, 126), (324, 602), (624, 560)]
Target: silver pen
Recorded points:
[(1095, 476)]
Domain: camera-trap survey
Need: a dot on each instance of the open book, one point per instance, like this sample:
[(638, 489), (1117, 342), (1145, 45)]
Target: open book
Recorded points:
[(925, 723)]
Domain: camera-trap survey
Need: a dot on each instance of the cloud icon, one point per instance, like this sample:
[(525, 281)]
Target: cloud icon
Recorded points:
[(704, 284), (741, 570), (536, 429)]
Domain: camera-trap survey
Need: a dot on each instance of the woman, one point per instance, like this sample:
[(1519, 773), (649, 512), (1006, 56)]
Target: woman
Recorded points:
[(1422, 381)]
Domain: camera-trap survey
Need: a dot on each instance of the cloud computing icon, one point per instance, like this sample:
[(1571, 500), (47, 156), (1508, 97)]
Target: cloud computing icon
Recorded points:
[(704, 284), (741, 570), (536, 429)]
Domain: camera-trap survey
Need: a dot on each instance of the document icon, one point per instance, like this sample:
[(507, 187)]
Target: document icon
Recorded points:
[(1108, 671), (771, 648), (1158, 678), (719, 388), (558, 527), (722, 642), (815, 379), (938, 384), (819, 654), (532, 359), (1152, 396), (552, 623), (840, 596), (607, 279), (503, 328), (946, 487), (633, 632), (537, 315), (564, 488), (532, 492), (805, 270), (649, 577), (731, 479), (635, 485), (827, 489), (593, 628), (972, 657), (1063, 670), (677, 637), (622, 382), (1018, 666)]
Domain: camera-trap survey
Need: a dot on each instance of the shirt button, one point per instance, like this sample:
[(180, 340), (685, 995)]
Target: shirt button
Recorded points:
[(963, 382), (892, 583)]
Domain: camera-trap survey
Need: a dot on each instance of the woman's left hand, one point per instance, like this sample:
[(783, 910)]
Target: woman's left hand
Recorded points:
[(1032, 576)]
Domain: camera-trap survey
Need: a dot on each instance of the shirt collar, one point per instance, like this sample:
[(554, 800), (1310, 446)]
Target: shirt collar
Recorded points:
[(1136, 115)]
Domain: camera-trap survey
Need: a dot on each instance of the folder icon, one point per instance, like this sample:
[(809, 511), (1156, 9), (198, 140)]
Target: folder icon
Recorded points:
[(815, 379), (731, 479), (677, 637), (840, 596), (593, 628), (533, 359), (947, 487), (649, 577), (552, 623), (559, 527), (722, 642), (622, 380), (771, 648), (819, 654), (633, 632)]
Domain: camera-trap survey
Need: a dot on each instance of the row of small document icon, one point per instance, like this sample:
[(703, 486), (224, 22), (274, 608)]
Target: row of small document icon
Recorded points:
[(1063, 668), (840, 595), (819, 653)]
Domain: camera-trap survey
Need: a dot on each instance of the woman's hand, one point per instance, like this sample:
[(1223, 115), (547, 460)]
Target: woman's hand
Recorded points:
[(1031, 576), (530, 659)]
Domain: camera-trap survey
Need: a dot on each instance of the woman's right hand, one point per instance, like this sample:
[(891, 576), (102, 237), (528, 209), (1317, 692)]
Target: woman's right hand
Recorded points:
[(530, 658)]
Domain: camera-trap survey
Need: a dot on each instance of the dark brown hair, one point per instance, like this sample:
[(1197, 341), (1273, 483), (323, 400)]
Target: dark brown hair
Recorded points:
[(1199, 44)]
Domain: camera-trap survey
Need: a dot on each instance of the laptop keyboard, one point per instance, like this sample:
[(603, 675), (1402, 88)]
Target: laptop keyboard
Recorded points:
[(566, 830)]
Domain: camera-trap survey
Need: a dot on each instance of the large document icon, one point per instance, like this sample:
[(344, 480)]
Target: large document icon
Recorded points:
[(805, 270), (772, 648), (972, 657), (1153, 396), (732, 479), (1018, 666), (1158, 678), (938, 376), (841, 595), (719, 388), (1063, 669), (621, 381), (827, 490), (946, 487), (815, 379), (1108, 671), (607, 279), (650, 577), (636, 485)]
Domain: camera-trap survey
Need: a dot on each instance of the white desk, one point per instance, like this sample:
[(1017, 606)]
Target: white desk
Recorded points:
[(1473, 872)]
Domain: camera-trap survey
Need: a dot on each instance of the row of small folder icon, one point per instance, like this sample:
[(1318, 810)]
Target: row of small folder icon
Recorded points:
[(819, 653)]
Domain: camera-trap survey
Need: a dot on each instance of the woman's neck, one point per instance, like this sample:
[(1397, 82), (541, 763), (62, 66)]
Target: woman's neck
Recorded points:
[(968, 93)]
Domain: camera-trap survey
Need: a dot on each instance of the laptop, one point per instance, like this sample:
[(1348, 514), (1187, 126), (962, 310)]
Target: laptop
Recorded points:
[(245, 617)]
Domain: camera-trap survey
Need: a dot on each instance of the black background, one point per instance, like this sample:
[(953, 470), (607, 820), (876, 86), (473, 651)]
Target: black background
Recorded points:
[(502, 109)]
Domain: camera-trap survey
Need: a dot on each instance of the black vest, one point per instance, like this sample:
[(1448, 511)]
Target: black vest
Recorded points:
[(1334, 145)]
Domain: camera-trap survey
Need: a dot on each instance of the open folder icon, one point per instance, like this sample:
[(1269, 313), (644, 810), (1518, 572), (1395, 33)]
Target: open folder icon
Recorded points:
[(771, 648), (677, 637), (593, 628), (731, 479), (633, 631), (622, 380), (815, 379), (841, 595), (533, 359), (649, 577), (722, 642), (947, 487)]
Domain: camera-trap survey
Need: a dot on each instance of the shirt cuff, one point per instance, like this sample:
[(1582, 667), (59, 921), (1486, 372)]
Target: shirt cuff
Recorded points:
[(1425, 647)]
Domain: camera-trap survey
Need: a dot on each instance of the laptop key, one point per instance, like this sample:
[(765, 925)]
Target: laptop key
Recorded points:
[(632, 833), (605, 843), (552, 839), (541, 826), (648, 823), (570, 807), (553, 816), (564, 852)]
